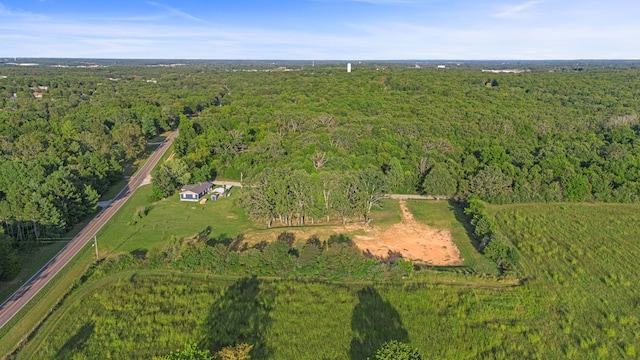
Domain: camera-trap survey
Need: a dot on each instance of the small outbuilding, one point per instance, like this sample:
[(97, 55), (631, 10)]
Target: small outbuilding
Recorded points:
[(220, 191), (195, 192)]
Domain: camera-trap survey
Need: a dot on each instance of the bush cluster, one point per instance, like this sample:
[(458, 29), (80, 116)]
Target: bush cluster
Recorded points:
[(493, 245), (335, 258)]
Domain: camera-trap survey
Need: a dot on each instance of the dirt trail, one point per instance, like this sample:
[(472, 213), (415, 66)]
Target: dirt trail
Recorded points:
[(415, 241)]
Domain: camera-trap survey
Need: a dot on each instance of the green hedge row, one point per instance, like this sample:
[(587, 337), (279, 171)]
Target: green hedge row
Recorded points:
[(493, 244)]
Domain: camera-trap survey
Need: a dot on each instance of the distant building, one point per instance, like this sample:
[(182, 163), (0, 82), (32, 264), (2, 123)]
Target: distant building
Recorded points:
[(441, 66), (507, 71), (348, 67), (195, 192), (37, 95)]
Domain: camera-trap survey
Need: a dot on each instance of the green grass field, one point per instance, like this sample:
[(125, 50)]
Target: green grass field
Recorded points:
[(443, 214), (138, 315), (168, 218), (579, 297), (584, 256)]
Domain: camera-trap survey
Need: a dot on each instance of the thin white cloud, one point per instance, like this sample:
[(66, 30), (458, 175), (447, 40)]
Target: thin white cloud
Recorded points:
[(366, 40), (148, 18), (380, 2), (6, 12), (177, 12), (392, 2), (518, 10)]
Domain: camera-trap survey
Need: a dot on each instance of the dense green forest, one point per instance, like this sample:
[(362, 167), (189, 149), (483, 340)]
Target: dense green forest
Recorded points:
[(305, 140), (66, 136), (315, 143)]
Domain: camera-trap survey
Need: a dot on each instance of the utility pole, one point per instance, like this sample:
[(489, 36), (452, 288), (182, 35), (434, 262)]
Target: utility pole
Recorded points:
[(95, 244)]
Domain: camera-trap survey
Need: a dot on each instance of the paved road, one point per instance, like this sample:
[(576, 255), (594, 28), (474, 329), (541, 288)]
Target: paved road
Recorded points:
[(22, 296)]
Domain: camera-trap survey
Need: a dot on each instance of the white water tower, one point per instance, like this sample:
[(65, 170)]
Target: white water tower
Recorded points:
[(348, 67)]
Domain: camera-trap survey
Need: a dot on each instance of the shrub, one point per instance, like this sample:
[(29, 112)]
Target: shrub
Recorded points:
[(406, 266), (474, 205), (396, 350), (576, 188), (238, 352), (499, 251), (288, 238), (141, 211), (484, 226), (315, 241), (339, 239)]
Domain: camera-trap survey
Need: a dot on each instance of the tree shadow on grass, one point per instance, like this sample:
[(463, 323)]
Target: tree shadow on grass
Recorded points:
[(240, 315), (465, 220), (140, 254), (76, 343), (223, 239), (374, 322), (204, 235)]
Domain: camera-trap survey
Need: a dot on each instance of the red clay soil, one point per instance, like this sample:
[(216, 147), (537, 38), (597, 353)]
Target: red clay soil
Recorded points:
[(415, 241)]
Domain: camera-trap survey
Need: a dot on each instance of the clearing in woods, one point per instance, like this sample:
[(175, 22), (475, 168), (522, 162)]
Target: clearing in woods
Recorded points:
[(415, 241)]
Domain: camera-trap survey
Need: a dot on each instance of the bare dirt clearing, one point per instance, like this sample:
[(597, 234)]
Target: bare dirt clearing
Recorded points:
[(415, 241)]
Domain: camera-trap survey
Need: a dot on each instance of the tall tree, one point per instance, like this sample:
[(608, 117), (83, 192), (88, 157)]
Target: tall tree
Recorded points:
[(439, 181), (131, 140), (330, 185), (370, 189)]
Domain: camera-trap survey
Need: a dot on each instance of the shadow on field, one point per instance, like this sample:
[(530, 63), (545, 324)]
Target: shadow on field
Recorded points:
[(233, 243), (77, 342), (374, 322), (463, 219), (240, 315), (140, 254)]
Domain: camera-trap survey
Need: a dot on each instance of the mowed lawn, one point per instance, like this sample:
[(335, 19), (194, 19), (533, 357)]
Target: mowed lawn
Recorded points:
[(169, 218)]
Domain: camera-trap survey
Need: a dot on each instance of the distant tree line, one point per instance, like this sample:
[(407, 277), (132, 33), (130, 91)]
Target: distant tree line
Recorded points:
[(536, 136)]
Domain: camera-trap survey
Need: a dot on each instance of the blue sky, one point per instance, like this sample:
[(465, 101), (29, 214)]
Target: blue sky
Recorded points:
[(322, 29)]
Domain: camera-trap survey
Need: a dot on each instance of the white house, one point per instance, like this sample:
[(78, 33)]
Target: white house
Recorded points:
[(195, 192)]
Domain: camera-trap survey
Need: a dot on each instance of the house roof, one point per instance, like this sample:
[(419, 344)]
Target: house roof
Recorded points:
[(197, 188)]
